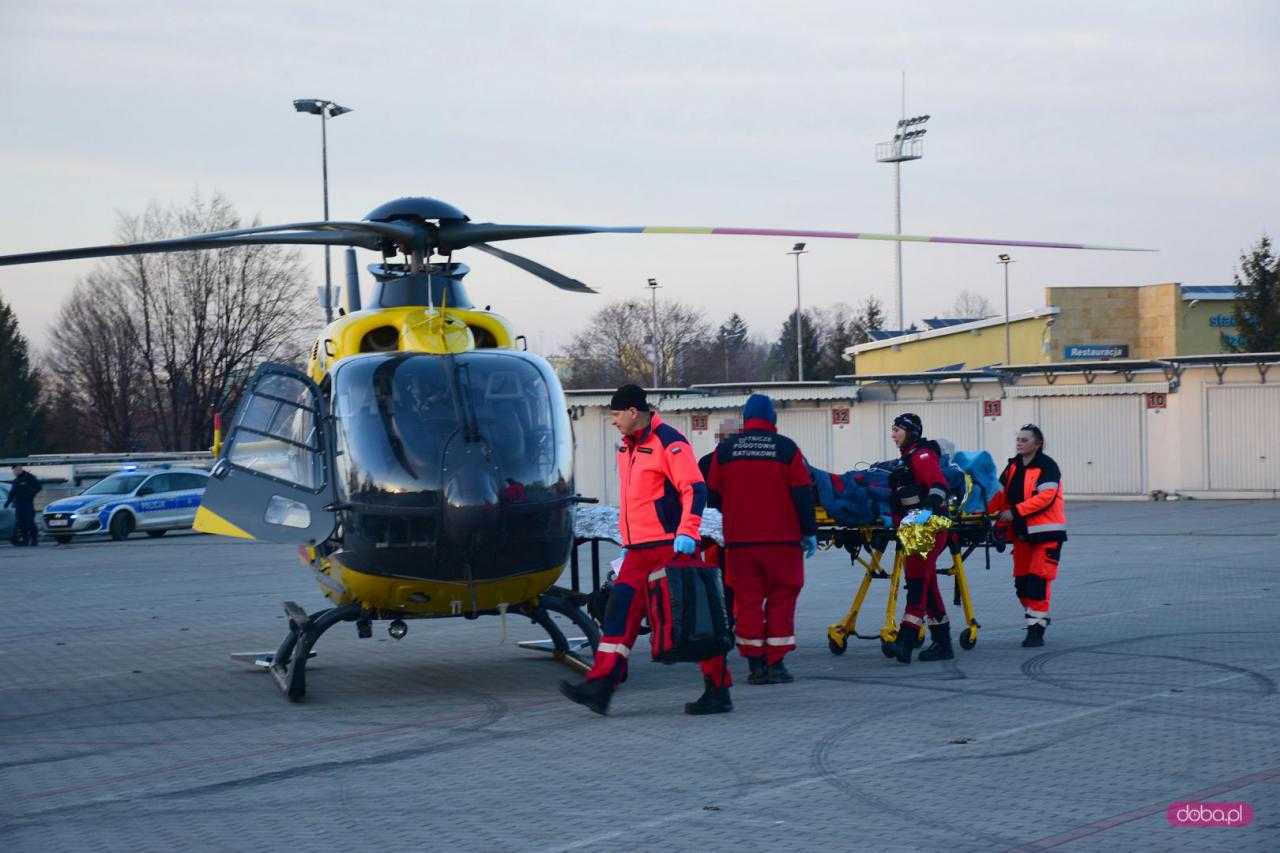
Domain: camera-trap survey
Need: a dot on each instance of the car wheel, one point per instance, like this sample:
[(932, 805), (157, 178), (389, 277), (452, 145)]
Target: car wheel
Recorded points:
[(121, 526), (62, 540), (156, 534)]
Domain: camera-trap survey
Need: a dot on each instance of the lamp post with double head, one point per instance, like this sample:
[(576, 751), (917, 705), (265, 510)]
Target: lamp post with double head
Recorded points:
[(1005, 260), (653, 337), (326, 110), (798, 249)]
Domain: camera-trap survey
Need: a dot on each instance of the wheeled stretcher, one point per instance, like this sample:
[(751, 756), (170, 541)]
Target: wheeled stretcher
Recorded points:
[(867, 546)]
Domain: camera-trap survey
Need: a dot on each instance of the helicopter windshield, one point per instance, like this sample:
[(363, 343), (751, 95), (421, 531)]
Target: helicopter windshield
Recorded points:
[(397, 415)]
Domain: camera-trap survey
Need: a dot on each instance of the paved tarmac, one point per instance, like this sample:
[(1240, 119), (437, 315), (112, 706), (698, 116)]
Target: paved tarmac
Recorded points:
[(127, 727)]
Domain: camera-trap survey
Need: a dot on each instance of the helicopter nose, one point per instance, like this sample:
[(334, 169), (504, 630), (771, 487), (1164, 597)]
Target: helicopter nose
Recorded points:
[(471, 522)]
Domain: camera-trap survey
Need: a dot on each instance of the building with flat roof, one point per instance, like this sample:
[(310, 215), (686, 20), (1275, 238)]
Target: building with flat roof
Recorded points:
[(1079, 323)]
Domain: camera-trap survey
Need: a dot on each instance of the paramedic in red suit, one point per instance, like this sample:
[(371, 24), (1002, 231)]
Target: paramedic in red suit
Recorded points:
[(1030, 502), (918, 483), (659, 515), (761, 484)]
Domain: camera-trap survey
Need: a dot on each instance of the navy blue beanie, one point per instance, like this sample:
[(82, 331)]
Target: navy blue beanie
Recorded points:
[(759, 407)]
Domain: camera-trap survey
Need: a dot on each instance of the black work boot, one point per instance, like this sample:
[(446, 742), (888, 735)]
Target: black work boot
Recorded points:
[(905, 644), (759, 672), (714, 700), (778, 674), (1035, 637), (940, 645), (595, 695)]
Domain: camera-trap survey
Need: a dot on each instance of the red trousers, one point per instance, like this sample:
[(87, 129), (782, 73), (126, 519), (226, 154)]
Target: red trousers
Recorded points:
[(766, 582), (923, 596), (1035, 566), (628, 604)]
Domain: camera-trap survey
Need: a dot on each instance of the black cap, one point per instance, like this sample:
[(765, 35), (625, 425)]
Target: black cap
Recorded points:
[(910, 422), (629, 397)]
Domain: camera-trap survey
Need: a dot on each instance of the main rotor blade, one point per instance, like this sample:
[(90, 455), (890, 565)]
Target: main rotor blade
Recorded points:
[(457, 235), (560, 280), (368, 239)]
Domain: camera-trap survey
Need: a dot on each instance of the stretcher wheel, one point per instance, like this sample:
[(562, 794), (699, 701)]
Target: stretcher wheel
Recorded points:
[(887, 649), (837, 648), (968, 639)]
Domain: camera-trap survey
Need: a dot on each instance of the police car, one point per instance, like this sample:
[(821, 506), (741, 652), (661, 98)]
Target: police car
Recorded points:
[(154, 501)]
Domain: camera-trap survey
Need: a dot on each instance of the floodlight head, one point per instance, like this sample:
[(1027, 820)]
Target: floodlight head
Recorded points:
[(798, 247), (309, 105), (1004, 259), (335, 110), (653, 282)]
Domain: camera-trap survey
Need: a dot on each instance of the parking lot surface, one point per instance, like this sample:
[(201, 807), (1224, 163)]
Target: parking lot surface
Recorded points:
[(126, 726)]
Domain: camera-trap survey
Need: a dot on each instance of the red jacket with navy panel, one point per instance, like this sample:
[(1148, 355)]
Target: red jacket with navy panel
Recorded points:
[(663, 493), (761, 483), (918, 481)]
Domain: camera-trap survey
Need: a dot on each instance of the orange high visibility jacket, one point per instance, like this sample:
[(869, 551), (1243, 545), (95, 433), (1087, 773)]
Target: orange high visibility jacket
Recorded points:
[(1033, 493), (663, 493)]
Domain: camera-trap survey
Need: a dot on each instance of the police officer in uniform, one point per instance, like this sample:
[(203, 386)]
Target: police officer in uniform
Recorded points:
[(22, 497)]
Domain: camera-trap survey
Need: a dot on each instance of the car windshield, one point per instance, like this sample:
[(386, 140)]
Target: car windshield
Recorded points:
[(117, 484)]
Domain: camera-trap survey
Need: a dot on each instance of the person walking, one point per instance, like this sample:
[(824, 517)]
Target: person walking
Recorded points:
[(659, 515), (1031, 504), (22, 497), (918, 483), (761, 484)]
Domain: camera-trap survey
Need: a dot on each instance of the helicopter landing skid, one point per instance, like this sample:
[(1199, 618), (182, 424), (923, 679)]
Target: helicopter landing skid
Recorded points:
[(288, 664), (564, 649)]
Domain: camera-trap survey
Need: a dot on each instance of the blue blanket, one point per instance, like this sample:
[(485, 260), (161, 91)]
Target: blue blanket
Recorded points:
[(862, 497)]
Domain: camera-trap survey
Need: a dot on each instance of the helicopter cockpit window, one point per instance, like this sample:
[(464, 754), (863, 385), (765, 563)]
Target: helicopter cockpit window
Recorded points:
[(514, 414), (275, 434), (394, 415)]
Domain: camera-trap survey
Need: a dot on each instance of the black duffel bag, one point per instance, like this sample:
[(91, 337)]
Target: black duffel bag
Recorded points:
[(686, 610)]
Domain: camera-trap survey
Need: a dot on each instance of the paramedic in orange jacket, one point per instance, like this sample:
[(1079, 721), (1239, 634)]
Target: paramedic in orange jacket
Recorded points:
[(1030, 502), (659, 515)]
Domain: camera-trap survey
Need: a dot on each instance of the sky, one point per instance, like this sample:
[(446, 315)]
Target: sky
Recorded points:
[(1150, 124)]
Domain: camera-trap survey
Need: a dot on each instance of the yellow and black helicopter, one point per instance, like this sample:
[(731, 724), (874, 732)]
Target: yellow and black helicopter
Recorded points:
[(423, 462)]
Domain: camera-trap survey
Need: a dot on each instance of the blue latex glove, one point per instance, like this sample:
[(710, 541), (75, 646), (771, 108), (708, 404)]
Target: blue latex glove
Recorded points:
[(684, 544), (886, 520), (810, 545), (623, 553)]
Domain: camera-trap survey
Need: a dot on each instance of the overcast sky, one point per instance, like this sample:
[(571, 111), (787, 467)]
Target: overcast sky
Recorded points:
[(1140, 124)]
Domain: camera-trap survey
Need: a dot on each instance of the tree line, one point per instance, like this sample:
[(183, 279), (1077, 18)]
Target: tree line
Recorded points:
[(147, 348)]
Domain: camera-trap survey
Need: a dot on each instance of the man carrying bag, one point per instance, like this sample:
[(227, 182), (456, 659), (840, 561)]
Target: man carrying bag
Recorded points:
[(659, 515)]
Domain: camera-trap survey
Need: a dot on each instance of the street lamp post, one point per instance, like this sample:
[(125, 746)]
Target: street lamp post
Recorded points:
[(798, 250), (326, 110), (653, 289), (1005, 260)]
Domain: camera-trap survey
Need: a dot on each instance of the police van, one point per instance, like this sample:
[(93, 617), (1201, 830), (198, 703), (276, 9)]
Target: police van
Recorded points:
[(153, 501)]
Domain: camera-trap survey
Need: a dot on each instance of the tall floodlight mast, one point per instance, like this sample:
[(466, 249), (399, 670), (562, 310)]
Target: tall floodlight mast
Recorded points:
[(907, 144)]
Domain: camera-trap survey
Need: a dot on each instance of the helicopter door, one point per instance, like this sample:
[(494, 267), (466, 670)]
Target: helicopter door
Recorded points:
[(274, 480)]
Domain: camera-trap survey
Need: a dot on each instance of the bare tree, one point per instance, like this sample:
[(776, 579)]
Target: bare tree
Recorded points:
[(198, 322), (95, 350), (617, 346), (971, 306)]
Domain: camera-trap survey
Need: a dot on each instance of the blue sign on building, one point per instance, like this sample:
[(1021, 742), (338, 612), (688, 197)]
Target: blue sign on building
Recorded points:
[(1096, 351)]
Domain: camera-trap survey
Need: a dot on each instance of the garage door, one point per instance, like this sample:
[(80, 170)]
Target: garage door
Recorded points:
[(609, 460), (958, 421), (589, 457), (810, 429), (1098, 443), (1243, 440)]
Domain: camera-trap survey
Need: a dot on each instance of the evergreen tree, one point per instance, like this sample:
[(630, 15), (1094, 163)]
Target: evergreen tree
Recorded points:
[(782, 356), (22, 425), (731, 341), (1257, 306)]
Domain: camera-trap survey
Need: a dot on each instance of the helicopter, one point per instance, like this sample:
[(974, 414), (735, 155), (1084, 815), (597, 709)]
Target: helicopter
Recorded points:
[(422, 461)]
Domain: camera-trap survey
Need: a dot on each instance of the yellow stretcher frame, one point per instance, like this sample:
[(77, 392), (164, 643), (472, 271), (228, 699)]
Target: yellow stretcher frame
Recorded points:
[(871, 544)]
